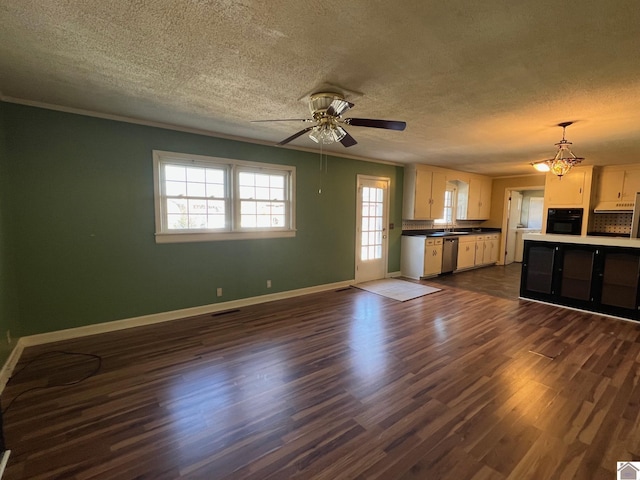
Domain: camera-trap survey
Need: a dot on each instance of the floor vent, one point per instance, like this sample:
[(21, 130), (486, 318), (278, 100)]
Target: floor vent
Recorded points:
[(218, 314)]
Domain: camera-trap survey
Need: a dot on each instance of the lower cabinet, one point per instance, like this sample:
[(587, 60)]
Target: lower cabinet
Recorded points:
[(576, 272), (492, 243), (481, 247), (420, 256), (466, 252), (538, 270), (620, 273), (432, 256), (487, 247), (595, 278)]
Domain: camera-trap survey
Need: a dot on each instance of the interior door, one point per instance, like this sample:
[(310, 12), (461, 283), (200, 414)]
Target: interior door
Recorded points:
[(372, 218), (515, 210)]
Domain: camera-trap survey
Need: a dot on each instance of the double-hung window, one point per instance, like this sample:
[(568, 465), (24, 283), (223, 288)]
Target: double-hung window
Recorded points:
[(447, 218), (200, 198)]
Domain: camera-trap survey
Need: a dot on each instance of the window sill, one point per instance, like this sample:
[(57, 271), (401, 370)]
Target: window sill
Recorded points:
[(187, 237)]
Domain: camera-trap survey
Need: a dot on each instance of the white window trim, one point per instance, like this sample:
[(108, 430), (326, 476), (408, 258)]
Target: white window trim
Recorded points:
[(162, 235)]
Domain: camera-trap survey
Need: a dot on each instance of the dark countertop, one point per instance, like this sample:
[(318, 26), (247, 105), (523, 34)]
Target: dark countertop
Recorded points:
[(439, 232)]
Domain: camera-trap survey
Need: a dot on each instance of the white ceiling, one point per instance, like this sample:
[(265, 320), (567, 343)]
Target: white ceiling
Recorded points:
[(481, 85)]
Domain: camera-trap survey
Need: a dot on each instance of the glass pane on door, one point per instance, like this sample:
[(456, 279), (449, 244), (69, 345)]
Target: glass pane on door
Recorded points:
[(372, 223)]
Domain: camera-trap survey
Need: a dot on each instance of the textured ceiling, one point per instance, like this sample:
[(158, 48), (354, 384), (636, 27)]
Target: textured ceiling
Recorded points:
[(480, 84)]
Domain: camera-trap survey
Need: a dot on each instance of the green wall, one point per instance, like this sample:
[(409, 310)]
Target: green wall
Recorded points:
[(81, 219), (8, 301)]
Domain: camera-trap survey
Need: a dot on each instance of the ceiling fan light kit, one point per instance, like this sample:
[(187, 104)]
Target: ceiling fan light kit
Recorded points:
[(327, 133), (564, 160), (326, 110)]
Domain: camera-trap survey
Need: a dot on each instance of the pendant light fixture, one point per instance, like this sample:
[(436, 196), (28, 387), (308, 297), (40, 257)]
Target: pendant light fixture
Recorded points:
[(564, 159)]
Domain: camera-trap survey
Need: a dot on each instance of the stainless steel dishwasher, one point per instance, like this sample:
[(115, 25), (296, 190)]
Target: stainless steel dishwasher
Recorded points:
[(449, 254)]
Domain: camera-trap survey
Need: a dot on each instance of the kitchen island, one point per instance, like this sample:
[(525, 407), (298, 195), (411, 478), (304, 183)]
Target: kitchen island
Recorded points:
[(597, 274)]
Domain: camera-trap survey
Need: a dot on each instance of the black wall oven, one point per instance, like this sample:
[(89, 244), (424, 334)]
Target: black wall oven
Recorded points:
[(565, 221)]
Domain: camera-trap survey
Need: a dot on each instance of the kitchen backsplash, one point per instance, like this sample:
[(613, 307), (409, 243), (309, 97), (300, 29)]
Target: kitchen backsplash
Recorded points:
[(612, 223)]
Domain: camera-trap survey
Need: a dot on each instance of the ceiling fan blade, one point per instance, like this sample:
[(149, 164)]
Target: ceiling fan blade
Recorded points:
[(369, 122), (296, 135), (285, 120), (338, 107), (348, 140)]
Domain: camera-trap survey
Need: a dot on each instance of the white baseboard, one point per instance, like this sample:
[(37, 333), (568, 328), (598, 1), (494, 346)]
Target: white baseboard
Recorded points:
[(10, 364), (394, 274), (115, 325), (3, 461)]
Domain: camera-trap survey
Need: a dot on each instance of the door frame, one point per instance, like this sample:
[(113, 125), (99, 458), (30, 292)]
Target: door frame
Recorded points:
[(358, 223), (505, 218)]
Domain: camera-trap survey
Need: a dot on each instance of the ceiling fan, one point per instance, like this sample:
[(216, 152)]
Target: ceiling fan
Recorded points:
[(327, 109)]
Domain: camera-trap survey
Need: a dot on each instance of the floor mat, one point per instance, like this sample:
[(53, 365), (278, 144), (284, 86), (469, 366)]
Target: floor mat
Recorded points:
[(397, 289)]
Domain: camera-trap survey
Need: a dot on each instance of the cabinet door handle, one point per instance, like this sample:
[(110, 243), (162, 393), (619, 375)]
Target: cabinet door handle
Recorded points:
[(618, 194)]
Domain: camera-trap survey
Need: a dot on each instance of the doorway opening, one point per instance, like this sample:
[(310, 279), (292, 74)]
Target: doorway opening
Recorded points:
[(522, 214)]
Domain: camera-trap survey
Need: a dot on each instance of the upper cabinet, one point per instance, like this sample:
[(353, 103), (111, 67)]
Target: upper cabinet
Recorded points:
[(631, 185), (573, 190), (479, 198), (424, 193), (570, 190), (474, 198), (619, 184), (424, 190)]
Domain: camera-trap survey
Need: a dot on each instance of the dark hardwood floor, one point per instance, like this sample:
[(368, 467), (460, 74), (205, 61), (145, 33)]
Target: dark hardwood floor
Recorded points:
[(338, 385), (499, 281)]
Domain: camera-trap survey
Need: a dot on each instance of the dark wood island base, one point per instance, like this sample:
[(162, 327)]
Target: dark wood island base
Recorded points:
[(596, 274)]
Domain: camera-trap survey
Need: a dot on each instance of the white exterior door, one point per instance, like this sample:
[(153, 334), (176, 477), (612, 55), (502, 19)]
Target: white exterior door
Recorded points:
[(372, 218)]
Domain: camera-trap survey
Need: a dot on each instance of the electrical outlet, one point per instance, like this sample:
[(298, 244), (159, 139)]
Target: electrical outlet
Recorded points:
[(268, 283), (219, 291), (9, 337)]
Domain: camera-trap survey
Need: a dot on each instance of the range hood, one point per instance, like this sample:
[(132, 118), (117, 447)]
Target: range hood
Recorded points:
[(614, 207)]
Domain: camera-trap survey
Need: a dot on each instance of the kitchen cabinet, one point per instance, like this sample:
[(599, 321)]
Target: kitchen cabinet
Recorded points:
[(618, 184), (481, 248), (620, 274), (568, 190), (593, 277), (576, 272), (610, 185), (493, 246), (576, 189), (559, 273), (538, 266), (420, 256), (424, 191), (631, 185), (466, 252), (487, 247), (478, 197), (432, 257)]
